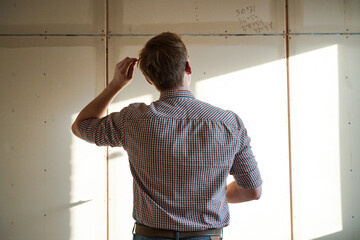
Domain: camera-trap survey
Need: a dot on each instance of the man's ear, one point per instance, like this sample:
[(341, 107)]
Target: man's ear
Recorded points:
[(188, 68)]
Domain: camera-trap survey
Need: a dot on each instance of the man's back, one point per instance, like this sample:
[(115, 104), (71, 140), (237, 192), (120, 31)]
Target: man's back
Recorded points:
[(181, 151)]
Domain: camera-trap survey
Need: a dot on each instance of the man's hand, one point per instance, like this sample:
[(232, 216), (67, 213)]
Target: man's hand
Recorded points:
[(124, 71)]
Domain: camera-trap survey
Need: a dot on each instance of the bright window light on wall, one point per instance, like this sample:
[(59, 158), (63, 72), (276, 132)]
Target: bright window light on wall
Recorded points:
[(315, 143), (88, 192)]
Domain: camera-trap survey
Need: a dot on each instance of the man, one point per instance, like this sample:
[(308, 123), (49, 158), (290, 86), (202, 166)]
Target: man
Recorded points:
[(181, 150)]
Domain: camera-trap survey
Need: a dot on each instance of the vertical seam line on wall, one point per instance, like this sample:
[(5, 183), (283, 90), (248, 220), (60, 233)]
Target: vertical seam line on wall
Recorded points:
[(287, 35), (107, 112)]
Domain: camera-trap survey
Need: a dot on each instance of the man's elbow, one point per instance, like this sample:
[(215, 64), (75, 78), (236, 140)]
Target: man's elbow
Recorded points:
[(76, 130), (257, 196), (256, 193)]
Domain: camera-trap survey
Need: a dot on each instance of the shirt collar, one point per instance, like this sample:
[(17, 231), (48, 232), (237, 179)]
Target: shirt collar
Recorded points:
[(176, 94)]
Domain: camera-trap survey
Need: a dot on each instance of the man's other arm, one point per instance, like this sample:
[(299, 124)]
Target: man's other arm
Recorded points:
[(237, 194)]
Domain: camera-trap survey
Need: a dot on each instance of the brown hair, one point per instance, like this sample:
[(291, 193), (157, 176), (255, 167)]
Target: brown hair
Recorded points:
[(163, 61)]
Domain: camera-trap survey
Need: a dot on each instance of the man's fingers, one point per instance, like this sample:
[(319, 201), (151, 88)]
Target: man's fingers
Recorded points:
[(125, 69), (131, 69), (128, 67), (122, 63)]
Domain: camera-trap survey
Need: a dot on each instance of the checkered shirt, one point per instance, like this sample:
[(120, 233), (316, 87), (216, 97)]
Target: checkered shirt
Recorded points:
[(181, 151)]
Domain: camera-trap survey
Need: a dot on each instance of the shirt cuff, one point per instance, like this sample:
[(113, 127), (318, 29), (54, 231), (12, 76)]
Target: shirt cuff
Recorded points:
[(249, 181)]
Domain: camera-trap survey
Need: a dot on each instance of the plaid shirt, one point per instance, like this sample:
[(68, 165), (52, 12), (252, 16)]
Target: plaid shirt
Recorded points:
[(181, 151)]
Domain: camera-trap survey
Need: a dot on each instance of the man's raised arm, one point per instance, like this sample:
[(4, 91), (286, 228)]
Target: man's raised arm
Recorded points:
[(123, 75)]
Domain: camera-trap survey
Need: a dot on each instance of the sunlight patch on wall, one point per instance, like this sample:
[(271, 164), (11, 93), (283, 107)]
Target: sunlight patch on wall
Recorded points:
[(87, 205), (315, 143)]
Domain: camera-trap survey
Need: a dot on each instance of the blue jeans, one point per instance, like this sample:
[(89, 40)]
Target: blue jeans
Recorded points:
[(141, 237)]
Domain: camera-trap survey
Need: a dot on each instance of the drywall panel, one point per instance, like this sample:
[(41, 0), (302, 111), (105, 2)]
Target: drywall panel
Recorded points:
[(350, 135), (325, 102), (53, 186), (243, 74), (52, 17), (324, 16), (196, 16)]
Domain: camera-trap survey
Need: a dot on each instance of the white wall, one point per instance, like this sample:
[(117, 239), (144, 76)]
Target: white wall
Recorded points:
[(52, 62), (51, 183)]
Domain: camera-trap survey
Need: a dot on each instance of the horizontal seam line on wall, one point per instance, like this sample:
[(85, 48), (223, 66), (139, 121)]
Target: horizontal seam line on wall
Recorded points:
[(185, 34), (50, 35)]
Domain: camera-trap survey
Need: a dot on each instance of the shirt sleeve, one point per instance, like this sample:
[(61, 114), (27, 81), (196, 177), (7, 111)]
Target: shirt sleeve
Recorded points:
[(245, 168), (107, 131)]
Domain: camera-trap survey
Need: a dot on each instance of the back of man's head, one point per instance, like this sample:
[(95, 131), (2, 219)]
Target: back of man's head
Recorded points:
[(163, 61)]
